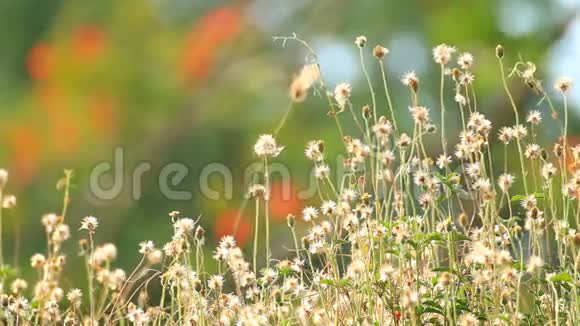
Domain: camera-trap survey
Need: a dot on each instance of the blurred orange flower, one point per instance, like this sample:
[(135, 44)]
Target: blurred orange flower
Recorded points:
[(226, 223), (63, 124), (25, 145), (284, 200), (89, 42), (65, 132), (103, 114), (571, 163)]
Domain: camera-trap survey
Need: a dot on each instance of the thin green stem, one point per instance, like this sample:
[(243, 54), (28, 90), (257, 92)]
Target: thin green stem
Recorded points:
[(267, 210), (364, 68), (283, 120), (442, 103), (382, 65), (256, 232), (514, 107)]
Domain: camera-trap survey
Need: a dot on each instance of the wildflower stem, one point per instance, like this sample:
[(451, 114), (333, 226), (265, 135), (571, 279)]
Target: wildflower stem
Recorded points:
[(442, 103), (256, 230), (565, 136), (267, 210), (125, 284), (473, 95), (382, 65), (284, 118), (90, 275), (66, 197), (518, 289), (514, 107), (364, 68), (350, 108), (314, 56), (1, 231), (295, 242), (162, 302), (557, 305)]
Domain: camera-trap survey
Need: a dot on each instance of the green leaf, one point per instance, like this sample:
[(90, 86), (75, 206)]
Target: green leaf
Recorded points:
[(538, 195), (341, 283), (344, 282), (7, 271), (561, 277), (327, 281), (453, 174), (441, 269), (460, 236), (432, 310), (285, 271), (393, 252), (432, 303), (435, 236)]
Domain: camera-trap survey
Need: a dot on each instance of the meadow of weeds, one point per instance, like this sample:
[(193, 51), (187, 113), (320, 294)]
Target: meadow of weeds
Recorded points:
[(402, 239)]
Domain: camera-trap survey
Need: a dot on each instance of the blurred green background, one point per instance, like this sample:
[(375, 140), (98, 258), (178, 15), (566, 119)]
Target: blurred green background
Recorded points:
[(197, 81)]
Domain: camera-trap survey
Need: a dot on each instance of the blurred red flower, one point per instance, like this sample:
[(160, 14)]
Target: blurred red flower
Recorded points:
[(226, 223), (218, 26), (40, 61)]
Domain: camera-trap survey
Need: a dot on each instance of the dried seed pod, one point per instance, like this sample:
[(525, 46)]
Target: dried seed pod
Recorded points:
[(499, 51), (446, 278), (463, 220), (199, 232), (360, 41), (456, 73), (380, 51), (558, 150), (517, 231), (366, 112), (576, 239), (291, 220), (3, 178)]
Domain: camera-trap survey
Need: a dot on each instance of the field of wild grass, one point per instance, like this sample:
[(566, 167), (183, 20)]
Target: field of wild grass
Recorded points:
[(401, 239)]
